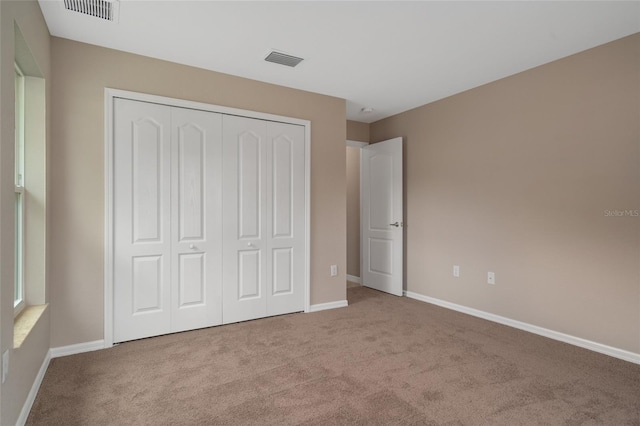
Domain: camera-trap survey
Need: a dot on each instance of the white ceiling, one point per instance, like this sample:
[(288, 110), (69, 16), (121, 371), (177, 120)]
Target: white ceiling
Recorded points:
[(388, 55)]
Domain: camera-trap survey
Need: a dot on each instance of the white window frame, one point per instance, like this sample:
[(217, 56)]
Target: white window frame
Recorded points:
[(20, 194)]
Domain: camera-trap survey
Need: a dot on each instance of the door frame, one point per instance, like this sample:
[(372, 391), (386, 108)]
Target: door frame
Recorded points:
[(359, 145), (109, 96)]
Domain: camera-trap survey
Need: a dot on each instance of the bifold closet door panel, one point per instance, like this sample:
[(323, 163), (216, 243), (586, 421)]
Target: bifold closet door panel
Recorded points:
[(264, 211), (244, 218), (142, 220), (209, 219), (285, 218), (196, 236)]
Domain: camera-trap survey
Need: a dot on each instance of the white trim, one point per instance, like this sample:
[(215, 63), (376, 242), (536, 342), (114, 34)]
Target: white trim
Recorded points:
[(307, 218), (77, 348), (31, 397), (108, 218), (361, 216), (19, 181), (183, 103), (53, 353), (329, 305), (356, 144), (354, 279), (555, 335), (109, 96)]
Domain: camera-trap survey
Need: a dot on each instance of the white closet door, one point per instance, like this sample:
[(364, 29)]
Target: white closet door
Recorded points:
[(285, 218), (196, 211), (209, 219), (244, 218), (142, 228)]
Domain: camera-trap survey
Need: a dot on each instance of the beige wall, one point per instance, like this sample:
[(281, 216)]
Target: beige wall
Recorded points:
[(515, 177), (359, 132), (24, 362), (353, 211), (81, 72)]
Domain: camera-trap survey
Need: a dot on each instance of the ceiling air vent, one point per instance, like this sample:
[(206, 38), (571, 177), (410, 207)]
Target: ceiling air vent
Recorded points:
[(283, 59), (103, 9)]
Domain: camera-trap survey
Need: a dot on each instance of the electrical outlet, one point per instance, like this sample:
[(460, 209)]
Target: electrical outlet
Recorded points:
[(456, 271), (5, 365), (334, 270), (491, 278)]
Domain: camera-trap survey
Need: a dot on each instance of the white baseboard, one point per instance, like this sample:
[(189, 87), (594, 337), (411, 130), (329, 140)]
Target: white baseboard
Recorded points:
[(329, 305), (31, 397), (77, 348), (556, 335), (354, 279)]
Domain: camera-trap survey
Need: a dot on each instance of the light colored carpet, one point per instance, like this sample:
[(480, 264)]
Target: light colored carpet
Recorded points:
[(383, 360)]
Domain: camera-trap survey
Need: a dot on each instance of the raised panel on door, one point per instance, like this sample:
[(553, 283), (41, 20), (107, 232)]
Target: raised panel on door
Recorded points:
[(380, 191), (249, 275), (285, 214), (191, 280), (244, 197), (147, 281), (249, 147), (197, 217), (142, 246)]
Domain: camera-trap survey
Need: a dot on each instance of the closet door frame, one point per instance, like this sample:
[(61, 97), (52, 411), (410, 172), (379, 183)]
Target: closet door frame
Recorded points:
[(109, 98)]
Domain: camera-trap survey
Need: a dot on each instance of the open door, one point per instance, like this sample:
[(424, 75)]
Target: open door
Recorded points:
[(382, 218)]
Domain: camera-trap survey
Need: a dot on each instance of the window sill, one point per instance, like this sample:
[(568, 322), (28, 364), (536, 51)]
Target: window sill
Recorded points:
[(25, 322)]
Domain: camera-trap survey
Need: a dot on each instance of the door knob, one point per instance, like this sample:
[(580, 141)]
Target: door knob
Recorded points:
[(396, 224), (249, 244), (192, 247)]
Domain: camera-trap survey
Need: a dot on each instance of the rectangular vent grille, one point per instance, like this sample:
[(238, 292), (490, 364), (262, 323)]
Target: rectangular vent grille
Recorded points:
[(102, 9), (283, 59)]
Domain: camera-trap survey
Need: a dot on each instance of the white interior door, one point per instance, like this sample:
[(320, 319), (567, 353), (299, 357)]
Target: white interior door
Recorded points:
[(382, 216), (196, 156), (263, 216), (285, 218), (167, 219), (245, 220), (142, 214)]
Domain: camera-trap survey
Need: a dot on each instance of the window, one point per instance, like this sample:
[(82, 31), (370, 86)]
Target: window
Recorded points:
[(18, 289)]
